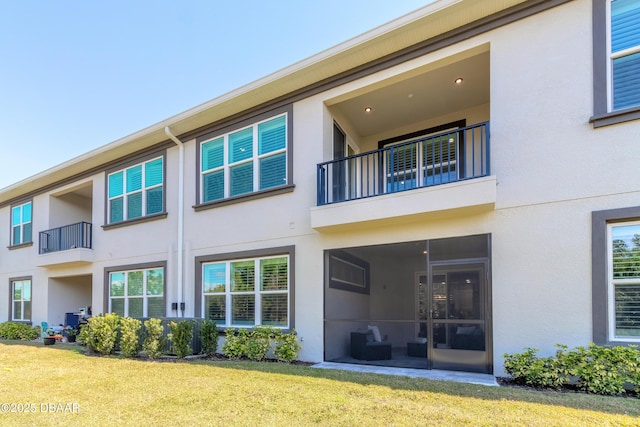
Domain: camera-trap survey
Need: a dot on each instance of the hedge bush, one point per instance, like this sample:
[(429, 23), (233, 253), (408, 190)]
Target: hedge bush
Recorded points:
[(19, 331), (153, 342), (130, 336), (180, 337), (209, 337), (100, 334), (106, 332), (235, 343), (594, 369), (255, 343), (287, 346)]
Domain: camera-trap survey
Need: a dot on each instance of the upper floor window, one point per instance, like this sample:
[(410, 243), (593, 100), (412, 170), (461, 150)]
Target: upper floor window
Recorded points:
[(624, 51), (616, 61), (244, 161), (21, 300), (21, 224), (136, 191), (624, 281), (137, 293)]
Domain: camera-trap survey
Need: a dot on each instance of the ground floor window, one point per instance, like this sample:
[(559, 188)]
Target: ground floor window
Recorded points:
[(624, 280), (137, 293), (246, 289), (615, 283), (21, 300)]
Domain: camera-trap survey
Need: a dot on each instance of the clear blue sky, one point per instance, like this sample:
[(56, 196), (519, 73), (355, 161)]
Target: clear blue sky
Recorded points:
[(75, 75)]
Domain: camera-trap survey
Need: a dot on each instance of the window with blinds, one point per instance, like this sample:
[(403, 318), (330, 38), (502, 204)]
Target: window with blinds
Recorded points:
[(422, 162), (244, 161), (625, 53), (624, 280), (136, 191), (21, 224), (247, 292), (21, 300), (137, 293)]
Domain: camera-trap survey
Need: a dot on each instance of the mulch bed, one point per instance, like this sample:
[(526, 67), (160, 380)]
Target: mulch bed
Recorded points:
[(510, 382), (216, 358)]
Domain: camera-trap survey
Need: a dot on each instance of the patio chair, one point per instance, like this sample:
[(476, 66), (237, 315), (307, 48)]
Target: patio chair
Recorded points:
[(44, 332), (364, 347)]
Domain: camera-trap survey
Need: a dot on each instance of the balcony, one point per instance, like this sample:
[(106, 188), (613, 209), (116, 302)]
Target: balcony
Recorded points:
[(434, 160), (432, 176), (67, 245)]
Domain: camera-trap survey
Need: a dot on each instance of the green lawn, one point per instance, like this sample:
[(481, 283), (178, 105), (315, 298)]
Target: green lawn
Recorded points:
[(111, 391)]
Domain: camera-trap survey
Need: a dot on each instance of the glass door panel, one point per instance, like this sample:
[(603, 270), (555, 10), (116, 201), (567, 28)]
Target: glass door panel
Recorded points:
[(458, 317)]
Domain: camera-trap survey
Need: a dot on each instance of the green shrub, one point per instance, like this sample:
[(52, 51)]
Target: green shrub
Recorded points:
[(19, 331), (606, 370), (256, 343), (235, 343), (259, 342), (209, 337), (287, 346), (129, 336), (101, 332), (595, 369), (84, 336), (180, 336), (153, 342)]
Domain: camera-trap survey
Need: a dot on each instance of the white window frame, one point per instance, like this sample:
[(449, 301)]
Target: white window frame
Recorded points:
[(611, 57), (256, 157), (125, 195), (144, 296), (22, 223), (21, 300), (257, 293), (612, 283)]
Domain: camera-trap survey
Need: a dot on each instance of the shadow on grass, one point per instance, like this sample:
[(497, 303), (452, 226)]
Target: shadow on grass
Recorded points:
[(581, 401)]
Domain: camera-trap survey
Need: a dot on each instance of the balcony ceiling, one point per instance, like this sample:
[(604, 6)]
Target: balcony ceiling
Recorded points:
[(428, 95)]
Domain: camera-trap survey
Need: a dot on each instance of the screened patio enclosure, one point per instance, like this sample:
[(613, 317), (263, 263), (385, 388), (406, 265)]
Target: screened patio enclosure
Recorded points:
[(423, 304)]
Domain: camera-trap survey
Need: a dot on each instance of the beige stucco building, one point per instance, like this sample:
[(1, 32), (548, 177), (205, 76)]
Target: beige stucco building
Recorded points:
[(368, 186)]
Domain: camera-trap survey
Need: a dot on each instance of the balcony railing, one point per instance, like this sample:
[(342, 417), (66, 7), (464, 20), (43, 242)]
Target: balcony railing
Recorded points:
[(67, 237), (451, 156)]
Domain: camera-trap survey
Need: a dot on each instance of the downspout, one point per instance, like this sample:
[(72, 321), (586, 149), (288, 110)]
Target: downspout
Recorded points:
[(181, 305)]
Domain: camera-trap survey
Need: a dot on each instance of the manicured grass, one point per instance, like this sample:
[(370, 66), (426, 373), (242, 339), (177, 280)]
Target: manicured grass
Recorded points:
[(114, 391)]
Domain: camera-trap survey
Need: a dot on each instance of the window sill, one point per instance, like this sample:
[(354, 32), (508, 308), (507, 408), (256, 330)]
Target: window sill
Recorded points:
[(20, 246), (616, 343), (244, 198), (615, 117), (161, 215)]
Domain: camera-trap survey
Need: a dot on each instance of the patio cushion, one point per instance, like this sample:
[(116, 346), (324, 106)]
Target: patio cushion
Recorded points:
[(376, 333)]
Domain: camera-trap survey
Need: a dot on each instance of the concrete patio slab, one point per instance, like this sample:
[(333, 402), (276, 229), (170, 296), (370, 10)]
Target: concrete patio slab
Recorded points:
[(462, 377)]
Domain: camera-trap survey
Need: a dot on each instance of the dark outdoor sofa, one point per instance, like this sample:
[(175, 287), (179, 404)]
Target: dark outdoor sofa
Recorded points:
[(363, 347)]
